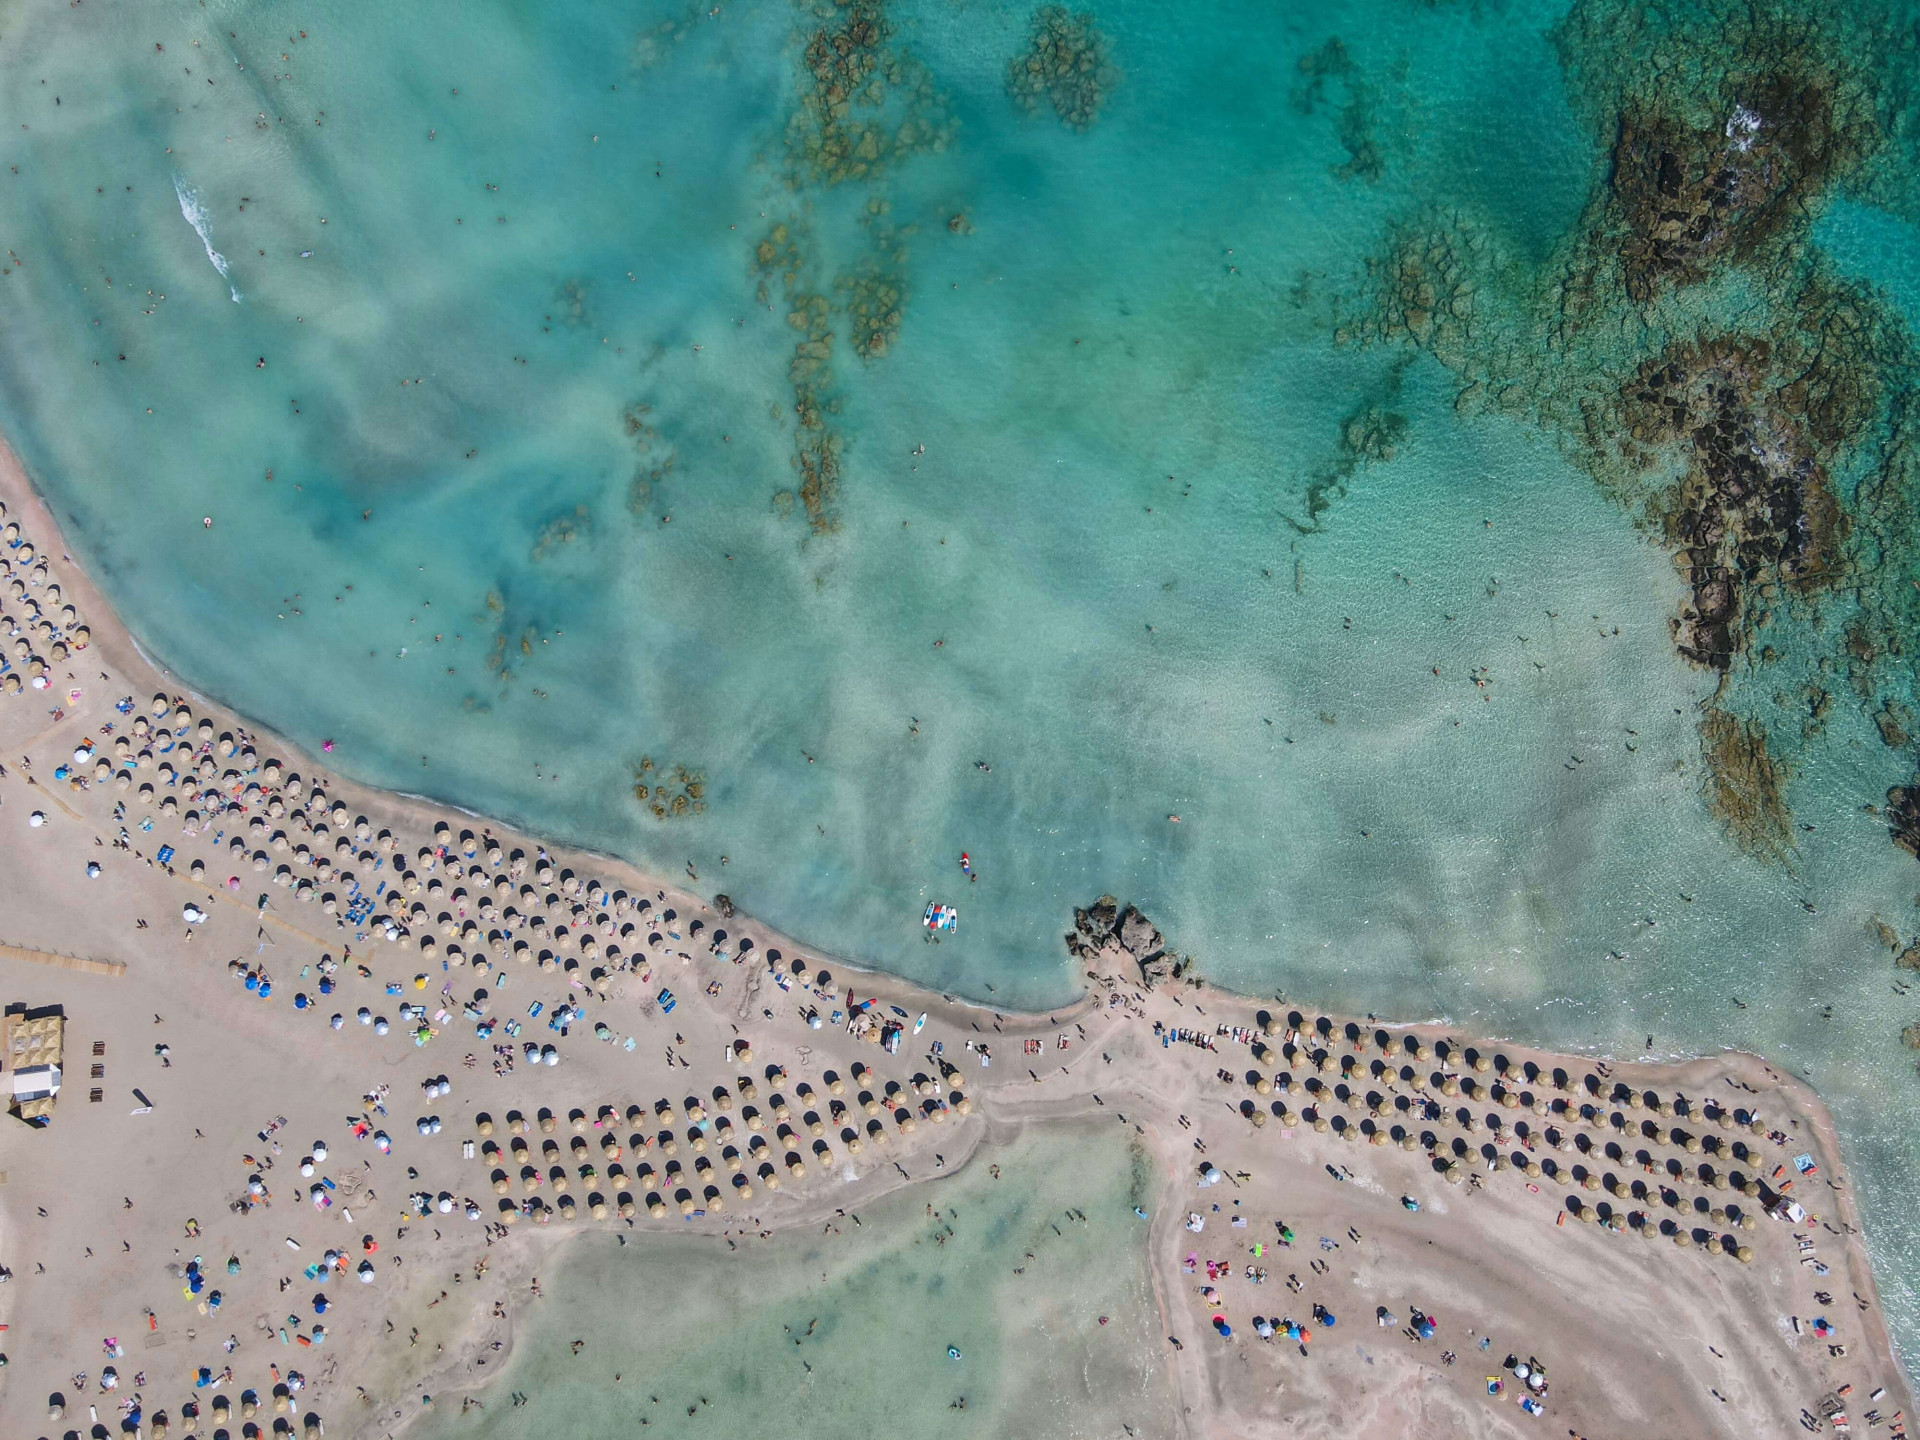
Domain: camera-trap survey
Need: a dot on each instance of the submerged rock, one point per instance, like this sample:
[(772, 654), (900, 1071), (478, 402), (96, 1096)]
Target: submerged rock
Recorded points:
[(1903, 819), (1745, 785), (1693, 188), (1066, 65), (1753, 505)]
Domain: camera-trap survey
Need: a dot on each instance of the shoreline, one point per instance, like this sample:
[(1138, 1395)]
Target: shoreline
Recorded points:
[(615, 957)]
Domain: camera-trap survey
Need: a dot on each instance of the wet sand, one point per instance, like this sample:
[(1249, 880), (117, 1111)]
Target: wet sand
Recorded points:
[(1633, 1332)]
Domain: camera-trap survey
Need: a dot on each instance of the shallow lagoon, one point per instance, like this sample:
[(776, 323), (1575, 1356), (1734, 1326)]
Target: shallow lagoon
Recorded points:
[(873, 1309)]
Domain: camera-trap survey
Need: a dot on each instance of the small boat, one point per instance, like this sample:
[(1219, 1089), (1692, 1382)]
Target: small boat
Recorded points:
[(941, 917), (921, 1023)]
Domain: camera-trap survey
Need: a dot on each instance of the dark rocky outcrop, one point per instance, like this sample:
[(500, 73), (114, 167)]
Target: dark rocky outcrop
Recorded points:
[(1107, 925), (1691, 194), (1753, 506), (1067, 64), (1745, 784), (1093, 927), (1903, 817)]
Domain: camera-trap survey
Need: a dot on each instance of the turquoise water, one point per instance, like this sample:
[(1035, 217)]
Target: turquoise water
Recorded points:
[(1100, 520), (847, 1333)]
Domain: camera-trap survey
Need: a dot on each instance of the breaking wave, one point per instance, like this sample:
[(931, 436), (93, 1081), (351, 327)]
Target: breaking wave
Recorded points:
[(196, 216)]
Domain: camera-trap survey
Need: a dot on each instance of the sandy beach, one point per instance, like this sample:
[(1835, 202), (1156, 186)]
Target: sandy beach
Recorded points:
[(343, 1069)]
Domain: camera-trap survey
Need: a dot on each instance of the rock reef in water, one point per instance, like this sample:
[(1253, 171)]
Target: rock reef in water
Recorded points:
[(1066, 64), (654, 458), (1745, 786), (1693, 189), (1753, 508), (1371, 433), (669, 792), (1354, 124), (864, 105), (864, 102), (1694, 351), (1105, 924), (1903, 823)]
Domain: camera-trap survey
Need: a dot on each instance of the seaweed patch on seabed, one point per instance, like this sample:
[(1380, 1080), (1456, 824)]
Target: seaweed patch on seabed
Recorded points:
[(654, 459), (1067, 64), (1370, 433), (506, 648), (810, 373), (669, 792), (1745, 786), (1701, 359), (1354, 124), (560, 532), (865, 104)]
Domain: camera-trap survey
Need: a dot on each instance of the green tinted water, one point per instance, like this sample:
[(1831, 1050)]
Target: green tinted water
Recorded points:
[(847, 1334)]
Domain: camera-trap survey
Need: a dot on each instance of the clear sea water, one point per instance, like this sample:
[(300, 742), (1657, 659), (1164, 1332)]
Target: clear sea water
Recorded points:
[(467, 241)]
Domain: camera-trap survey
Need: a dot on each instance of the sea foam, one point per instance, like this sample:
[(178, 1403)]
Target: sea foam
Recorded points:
[(196, 216)]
